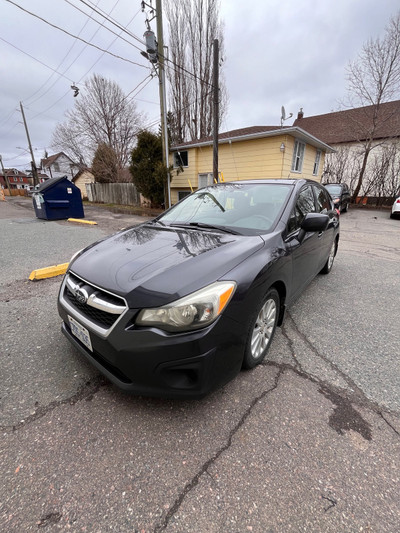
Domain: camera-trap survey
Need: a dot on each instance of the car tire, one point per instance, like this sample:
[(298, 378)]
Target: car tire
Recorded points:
[(261, 329), (329, 262), (346, 207)]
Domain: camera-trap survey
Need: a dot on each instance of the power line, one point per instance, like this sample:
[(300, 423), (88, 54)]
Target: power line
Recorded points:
[(7, 117), (75, 36), (102, 24), (120, 102), (113, 21), (109, 19), (59, 65), (87, 72), (38, 60)]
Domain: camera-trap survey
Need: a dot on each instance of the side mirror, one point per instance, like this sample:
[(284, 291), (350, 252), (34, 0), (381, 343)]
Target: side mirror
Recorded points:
[(313, 222)]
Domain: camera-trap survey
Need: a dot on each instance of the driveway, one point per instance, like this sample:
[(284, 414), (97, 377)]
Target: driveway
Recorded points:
[(308, 441)]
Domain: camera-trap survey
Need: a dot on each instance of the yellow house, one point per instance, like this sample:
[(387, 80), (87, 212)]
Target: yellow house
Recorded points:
[(83, 177), (258, 152)]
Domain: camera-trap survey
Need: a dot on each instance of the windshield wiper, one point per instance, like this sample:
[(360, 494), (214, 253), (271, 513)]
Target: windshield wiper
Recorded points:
[(206, 226)]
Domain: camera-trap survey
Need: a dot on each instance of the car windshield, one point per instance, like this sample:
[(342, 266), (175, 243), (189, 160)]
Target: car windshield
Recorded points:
[(334, 189), (242, 208)]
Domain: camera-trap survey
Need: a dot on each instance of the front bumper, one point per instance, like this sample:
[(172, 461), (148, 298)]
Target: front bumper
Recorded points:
[(151, 362)]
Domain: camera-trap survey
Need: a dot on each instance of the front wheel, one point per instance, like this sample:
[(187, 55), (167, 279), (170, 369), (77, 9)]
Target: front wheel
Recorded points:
[(261, 330), (329, 262)]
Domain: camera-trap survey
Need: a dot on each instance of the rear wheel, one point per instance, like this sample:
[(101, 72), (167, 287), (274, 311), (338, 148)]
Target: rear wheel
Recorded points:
[(329, 262), (261, 330)]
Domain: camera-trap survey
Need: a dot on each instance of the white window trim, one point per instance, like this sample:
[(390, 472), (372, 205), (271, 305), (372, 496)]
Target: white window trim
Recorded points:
[(317, 163), (299, 151)]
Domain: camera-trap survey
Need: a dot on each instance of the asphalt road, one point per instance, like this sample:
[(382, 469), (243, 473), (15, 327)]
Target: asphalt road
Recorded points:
[(309, 441)]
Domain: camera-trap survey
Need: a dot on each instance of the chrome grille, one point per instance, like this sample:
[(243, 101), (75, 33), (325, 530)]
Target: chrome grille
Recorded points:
[(99, 308), (102, 318)]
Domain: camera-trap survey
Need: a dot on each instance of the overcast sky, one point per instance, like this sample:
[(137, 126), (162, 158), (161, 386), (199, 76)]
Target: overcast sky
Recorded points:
[(277, 52)]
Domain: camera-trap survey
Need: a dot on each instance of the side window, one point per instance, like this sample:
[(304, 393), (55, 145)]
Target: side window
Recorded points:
[(298, 156), (316, 162), (181, 159), (323, 201), (305, 204)]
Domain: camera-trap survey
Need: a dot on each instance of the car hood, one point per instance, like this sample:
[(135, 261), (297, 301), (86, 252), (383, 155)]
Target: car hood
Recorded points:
[(150, 265)]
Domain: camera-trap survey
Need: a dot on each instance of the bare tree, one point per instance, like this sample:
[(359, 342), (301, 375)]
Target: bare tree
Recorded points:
[(102, 114), (104, 165), (193, 25), (382, 178), (374, 78)]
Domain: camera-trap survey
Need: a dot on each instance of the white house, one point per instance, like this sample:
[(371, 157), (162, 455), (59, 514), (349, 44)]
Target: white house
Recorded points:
[(59, 165)]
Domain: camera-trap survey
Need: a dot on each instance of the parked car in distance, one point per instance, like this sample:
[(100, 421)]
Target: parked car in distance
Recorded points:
[(340, 193), (177, 306), (395, 208)]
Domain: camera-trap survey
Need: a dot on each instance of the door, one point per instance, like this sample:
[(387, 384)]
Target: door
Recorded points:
[(305, 255), (324, 206)]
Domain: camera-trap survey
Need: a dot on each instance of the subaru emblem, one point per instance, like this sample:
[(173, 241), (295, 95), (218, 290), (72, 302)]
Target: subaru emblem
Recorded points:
[(81, 296)]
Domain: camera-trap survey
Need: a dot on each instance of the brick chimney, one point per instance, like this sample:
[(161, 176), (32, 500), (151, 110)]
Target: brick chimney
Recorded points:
[(300, 114)]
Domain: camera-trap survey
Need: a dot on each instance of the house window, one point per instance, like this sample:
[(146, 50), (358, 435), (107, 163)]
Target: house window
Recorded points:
[(205, 179), (183, 194), (56, 167), (316, 162), (181, 159), (298, 156)]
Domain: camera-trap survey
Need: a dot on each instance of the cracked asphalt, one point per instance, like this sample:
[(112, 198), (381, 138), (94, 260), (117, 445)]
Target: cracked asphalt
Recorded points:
[(308, 441)]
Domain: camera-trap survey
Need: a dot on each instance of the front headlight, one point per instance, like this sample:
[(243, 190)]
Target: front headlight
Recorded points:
[(191, 312)]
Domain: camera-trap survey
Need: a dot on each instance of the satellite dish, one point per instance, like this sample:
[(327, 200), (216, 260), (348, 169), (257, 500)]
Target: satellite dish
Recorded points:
[(283, 116)]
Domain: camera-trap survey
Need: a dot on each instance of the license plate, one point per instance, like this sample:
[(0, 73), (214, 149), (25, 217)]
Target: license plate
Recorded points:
[(80, 333)]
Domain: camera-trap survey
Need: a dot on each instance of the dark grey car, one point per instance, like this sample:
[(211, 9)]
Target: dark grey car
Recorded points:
[(340, 194)]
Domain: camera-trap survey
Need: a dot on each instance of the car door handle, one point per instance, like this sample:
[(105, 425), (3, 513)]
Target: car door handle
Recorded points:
[(320, 234)]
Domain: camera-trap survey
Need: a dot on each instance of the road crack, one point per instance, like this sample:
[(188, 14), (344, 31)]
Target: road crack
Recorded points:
[(354, 388), (85, 392), (389, 424), (204, 469)]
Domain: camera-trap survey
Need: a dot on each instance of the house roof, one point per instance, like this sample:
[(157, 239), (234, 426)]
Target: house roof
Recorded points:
[(52, 158), (81, 171), (14, 172), (353, 125), (255, 132)]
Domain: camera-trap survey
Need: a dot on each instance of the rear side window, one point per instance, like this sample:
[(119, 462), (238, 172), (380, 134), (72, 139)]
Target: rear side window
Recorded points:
[(305, 204), (323, 200)]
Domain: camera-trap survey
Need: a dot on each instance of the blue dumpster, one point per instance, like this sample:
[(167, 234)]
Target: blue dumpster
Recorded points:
[(58, 198)]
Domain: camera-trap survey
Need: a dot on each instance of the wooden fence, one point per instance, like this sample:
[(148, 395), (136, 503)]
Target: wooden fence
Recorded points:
[(16, 192), (113, 193)]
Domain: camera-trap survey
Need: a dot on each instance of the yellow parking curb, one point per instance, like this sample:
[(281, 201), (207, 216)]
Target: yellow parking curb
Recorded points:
[(48, 272), (82, 221)]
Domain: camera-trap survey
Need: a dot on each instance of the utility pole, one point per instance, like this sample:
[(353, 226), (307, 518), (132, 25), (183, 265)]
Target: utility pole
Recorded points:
[(5, 176), (215, 110), (155, 54), (162, 90), (34, 169)]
